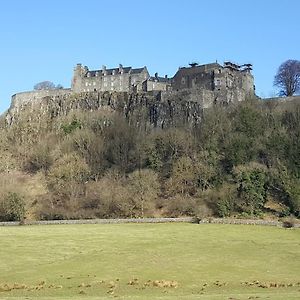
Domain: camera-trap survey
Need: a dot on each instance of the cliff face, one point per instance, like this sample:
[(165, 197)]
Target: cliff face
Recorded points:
[(157, 109)]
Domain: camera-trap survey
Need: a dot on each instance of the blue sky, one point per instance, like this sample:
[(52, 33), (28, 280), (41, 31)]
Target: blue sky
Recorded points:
[(44, 40)]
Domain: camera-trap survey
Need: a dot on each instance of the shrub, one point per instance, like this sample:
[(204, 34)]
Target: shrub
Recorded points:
[(225, 206), (39, 158), (180, 205), (286, 188), (288, 223), (251, 180), (294, 198), (70, 127), (12, 207)]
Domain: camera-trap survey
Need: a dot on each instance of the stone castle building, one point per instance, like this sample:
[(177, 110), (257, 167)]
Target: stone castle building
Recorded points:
[(202, 84), (121, 79), (228, 81), (222, 80)]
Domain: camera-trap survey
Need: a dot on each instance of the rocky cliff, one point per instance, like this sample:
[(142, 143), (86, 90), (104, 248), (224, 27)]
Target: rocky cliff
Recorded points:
[(158, 109)]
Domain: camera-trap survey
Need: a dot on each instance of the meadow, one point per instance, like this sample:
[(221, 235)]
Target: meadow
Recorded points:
[(149, 261)]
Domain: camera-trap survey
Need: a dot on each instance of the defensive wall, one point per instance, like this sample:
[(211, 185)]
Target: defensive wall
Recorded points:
[(283, 99), (35, 96)]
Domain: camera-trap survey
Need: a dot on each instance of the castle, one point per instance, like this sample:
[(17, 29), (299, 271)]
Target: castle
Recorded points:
[(121, 79), (202, 84), (211, 77)]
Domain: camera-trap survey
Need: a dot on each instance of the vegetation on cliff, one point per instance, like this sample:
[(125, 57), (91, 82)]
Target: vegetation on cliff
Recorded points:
[(239, 160)]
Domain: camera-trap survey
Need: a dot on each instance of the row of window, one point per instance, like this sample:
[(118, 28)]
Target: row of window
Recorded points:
[(94, 90), (105, 84)]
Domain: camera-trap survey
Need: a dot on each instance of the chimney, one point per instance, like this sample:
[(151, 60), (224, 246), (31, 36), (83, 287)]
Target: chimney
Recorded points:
[(166, 76), (104, 72)]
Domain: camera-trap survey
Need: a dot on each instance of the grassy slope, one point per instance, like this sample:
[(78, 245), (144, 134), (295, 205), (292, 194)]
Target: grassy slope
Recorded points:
[(66, 256)]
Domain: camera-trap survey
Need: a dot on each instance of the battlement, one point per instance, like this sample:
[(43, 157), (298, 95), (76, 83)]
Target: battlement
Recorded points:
[(36, 96)]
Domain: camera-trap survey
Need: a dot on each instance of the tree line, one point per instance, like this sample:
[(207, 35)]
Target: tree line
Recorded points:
[(241, 160)]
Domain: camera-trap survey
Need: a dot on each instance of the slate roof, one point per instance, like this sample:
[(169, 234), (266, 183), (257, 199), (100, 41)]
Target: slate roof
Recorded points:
[(198, 69), (110, 71), (137, 71), (159, 79)]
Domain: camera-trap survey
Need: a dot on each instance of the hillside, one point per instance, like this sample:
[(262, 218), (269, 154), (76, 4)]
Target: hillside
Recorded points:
[(105, 155)]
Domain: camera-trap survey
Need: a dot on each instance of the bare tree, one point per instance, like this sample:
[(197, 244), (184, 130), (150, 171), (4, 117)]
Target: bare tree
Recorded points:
[(44, 85), (47, 85), (288, 77)]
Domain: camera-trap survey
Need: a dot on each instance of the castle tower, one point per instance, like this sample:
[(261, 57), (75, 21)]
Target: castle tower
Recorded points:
[(79, 72)]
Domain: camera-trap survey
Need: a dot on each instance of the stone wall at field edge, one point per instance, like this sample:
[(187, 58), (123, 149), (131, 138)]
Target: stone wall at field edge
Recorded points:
[(154, 220)]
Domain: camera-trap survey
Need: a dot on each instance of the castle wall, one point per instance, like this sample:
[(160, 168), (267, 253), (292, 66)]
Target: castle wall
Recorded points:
[(284, 99), (35, 96), (204, 98), (156, 86)]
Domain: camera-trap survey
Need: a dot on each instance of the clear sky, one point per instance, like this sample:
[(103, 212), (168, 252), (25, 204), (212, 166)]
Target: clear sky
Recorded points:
[(44, 40)]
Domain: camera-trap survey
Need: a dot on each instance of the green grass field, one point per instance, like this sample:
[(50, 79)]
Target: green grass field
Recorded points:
[(149, 261)]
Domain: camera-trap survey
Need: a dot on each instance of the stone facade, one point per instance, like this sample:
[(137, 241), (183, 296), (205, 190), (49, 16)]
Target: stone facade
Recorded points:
[(158, 83), (229, 83), (121, 79)]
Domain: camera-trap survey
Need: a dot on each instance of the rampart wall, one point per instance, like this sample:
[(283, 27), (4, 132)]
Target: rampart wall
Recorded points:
[(35, 96), (284, 99)]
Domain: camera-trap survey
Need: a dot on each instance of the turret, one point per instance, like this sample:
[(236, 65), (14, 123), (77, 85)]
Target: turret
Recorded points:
[(79, 71)]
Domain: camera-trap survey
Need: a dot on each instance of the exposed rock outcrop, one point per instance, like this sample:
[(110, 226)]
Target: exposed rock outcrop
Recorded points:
[(158, 109)]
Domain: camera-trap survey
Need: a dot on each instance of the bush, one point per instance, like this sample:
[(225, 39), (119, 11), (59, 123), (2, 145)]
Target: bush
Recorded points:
[(39, 159), (225, 207), (180, 205), (288, 223), (12, 207), (294, 198), (70, 127), (252, 192), (224, 200), (286, 188)]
